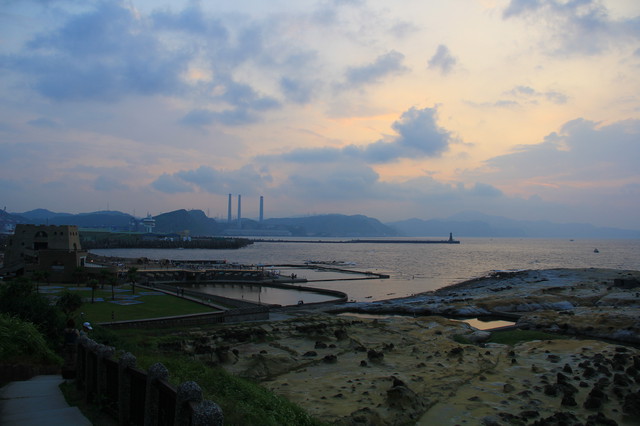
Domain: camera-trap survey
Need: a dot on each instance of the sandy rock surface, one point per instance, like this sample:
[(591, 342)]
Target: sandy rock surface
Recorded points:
[(405, 370), (587, 302)]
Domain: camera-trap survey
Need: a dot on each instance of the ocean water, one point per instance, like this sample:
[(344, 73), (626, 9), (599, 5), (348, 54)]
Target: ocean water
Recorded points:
[(413, 268)]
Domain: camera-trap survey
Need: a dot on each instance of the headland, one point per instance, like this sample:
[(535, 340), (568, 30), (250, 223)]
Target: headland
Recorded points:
[(411, 365)]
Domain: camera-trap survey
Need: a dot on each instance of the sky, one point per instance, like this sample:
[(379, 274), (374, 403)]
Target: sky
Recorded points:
[(528, 109)]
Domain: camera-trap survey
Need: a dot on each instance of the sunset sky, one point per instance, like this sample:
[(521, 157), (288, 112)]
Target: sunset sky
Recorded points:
[(528, 109)]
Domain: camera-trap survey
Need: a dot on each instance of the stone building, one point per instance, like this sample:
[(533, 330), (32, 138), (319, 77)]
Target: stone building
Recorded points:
[(52, 249)]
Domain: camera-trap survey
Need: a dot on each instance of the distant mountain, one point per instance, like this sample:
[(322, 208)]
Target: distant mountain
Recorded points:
[(333, 225), (474, 224), (102, 219), (42, 214), (8, 221), (464, 224), (194, 222)]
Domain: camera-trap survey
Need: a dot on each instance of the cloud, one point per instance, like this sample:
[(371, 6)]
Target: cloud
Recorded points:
[(418, 130), (170, 184), (102, 54), (530, 94), (418, 136), (245, 102), (383, 66), (485, 190), (229, 117), (520, 7), (313, 155), (192, 19), (104, 183), (576, 27), (331, 182), (442, 60), (521, 96), (297, 90), (582, 153), (245, 180), (43, 123)]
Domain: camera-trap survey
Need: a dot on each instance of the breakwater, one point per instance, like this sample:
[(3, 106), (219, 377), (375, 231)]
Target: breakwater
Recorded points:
[(449, 241)]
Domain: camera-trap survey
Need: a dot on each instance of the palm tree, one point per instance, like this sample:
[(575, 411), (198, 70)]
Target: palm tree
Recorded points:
[(103, 275), (132, 273), (79, 274), (93, 283), (38, 276), (111, 279)]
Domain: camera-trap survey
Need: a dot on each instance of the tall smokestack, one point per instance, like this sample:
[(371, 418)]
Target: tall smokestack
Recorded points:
[(229, 210), (261, 208), (239, 211)]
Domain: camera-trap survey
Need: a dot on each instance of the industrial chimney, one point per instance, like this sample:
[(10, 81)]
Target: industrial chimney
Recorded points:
[(239, 211), (261, 208), (229, 210)]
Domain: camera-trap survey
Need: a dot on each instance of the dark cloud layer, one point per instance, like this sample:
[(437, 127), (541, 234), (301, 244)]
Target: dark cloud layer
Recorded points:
[(245, 180), (102, 54)]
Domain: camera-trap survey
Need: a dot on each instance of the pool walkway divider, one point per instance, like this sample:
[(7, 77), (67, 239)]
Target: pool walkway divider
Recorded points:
[(240, 311)]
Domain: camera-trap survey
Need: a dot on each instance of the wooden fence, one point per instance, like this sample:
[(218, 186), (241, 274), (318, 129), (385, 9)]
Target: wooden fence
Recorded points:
[(136, 397)]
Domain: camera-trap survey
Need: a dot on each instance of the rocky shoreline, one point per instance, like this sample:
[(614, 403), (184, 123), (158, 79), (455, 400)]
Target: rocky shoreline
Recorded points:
[(405, 370), (598, 303)]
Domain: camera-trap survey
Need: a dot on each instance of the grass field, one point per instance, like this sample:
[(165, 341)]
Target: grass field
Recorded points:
[(144, 304)]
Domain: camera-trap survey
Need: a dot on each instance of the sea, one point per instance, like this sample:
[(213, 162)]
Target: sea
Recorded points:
[(412, 268)]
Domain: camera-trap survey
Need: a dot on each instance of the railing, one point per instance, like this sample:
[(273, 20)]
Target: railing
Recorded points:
[(136, 397)]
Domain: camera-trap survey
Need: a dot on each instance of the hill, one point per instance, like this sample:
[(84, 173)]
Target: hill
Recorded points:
[(334, 225), (39, 215), (192, 222), (8, 221), (112, 220)]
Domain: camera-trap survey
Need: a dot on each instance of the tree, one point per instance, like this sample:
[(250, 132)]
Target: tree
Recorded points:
[(69, 303), (38, 276), (80, 274), (93, 283), (103, 276), (19, 299), (132, 273), (113, 280)]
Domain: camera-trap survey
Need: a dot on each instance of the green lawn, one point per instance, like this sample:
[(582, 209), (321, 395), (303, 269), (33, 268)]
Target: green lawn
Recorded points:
[(152, 306)]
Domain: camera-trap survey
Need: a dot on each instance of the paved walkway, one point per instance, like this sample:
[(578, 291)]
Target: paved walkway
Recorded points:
[(38, 401)]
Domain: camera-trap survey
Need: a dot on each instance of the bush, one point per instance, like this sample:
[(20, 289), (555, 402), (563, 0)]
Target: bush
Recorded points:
[(18, 298), (22, 343), (242, 401)]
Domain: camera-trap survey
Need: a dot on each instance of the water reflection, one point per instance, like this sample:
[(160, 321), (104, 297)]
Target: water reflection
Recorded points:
[(261, 294)]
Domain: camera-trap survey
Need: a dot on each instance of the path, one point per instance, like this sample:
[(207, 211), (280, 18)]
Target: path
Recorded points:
[(38, 401)]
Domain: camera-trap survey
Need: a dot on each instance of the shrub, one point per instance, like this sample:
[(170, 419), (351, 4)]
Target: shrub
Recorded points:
[(22, 343), (18, 298)]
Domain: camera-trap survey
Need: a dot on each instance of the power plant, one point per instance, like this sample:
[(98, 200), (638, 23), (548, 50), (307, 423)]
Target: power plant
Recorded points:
[(239, 217), (261, 208)]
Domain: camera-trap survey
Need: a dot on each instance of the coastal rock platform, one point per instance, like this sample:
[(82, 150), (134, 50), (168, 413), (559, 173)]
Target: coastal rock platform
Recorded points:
[(391, 370), (600, 303)]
